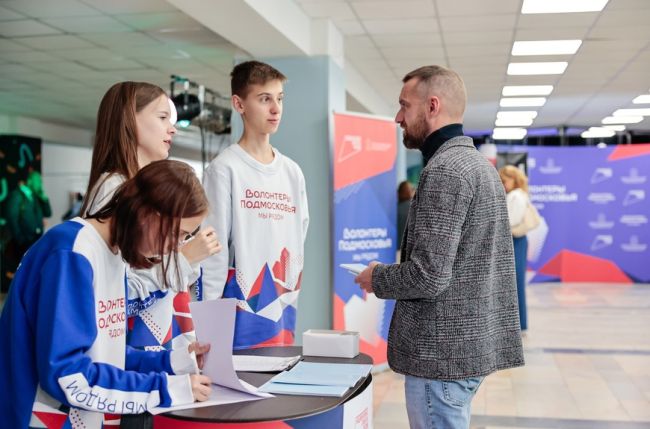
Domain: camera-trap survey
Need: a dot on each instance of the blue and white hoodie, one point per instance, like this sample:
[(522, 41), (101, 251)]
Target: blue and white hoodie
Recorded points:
[(63, 355)]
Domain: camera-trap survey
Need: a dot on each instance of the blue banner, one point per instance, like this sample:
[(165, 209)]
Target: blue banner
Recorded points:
[(595, 207)]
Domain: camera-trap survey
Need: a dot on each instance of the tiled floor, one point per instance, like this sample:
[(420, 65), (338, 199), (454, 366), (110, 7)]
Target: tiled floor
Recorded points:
[(587, 365)]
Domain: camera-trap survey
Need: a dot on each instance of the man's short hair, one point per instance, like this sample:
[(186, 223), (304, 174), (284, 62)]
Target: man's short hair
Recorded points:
[(443, 82), (252, 73)]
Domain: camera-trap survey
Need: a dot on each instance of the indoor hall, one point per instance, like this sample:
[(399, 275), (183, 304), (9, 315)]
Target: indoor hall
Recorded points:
[(558, 89)]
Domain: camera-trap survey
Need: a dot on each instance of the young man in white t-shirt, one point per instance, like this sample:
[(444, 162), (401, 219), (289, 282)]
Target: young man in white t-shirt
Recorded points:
[(258, 204)]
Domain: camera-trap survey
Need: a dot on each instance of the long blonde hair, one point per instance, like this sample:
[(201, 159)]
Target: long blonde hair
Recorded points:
[(516, 174)]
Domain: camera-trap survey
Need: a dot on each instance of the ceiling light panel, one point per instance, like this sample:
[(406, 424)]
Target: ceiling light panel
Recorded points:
[(595, 132), (562, 6), (642, 99), (517, 114), (558, 67), (622, 120), (614, 127), (546, 47), (509, 133), (632, 112), (522, 102), (517, 90), (514, 122)]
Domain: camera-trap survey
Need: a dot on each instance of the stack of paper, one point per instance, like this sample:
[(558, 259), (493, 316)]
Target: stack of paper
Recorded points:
[(227, 388), (320, 379), (253, 363)]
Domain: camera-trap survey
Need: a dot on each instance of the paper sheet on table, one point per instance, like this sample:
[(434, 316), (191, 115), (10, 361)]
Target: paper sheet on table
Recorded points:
[(252, 363), (323, 374), (220, 395), (304, 389), (214, 323)]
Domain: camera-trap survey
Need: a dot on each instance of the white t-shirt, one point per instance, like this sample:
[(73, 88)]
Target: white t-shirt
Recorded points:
[(260, 211), (517, 201)]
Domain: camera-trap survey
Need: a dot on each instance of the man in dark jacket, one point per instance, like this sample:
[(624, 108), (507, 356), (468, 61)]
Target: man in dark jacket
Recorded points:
[(27, 206), (456, 317)]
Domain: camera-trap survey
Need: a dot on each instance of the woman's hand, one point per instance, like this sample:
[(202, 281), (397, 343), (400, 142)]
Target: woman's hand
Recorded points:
[(200, 387), (200, 350), (204, 244)]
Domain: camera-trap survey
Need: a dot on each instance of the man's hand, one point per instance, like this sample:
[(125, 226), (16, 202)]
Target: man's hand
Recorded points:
[(364, 279)]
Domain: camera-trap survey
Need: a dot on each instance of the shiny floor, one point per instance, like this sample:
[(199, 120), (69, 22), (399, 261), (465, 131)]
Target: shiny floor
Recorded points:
[(587, 365)]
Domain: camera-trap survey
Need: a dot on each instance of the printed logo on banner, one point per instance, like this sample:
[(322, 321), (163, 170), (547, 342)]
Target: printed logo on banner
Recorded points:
[(634, 245), (352, 145), (633, 178), (550, 167), (634, 196), (602, 241), (634, 220), (601, 175), (601, 197), (601, 222), (361, 421)]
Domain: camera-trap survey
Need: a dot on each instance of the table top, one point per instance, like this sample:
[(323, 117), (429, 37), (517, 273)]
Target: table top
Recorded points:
[(281, 407)]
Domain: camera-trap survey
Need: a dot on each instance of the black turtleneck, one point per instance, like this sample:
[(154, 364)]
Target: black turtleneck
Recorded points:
[(438, 138)]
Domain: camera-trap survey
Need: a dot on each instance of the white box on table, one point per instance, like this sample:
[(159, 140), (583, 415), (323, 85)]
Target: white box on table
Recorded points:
[(330, 343)]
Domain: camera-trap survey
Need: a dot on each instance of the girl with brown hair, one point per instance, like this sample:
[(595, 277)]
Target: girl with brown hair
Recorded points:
[(135, 126), (65, 354)]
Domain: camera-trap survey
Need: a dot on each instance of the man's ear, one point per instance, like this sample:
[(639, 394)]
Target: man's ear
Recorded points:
[(238, 104), (433, 105)]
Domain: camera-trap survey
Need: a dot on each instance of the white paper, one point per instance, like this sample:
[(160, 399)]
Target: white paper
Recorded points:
[(253, 363), (214, 323), (219, 396), (355, 269)]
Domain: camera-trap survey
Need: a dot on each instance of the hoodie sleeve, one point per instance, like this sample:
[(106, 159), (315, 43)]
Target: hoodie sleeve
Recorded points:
[(304, 207), (66, 328), (216, 182)]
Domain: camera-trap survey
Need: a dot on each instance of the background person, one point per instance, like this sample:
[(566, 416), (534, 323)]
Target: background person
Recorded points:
[(405, 193), (515, 184)]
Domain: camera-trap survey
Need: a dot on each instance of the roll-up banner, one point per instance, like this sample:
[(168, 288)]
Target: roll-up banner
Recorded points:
[(364, 222)]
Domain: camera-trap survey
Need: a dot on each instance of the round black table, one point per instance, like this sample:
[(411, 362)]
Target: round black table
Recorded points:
[(281, 407)]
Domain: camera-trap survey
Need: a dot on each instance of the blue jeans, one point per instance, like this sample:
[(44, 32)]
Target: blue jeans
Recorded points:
[(521, 249), (440, 404)]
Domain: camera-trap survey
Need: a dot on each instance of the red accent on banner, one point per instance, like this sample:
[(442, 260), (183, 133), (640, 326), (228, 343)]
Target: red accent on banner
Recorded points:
[(363, 148), (572, 266), (629, 151), (161, 422), (339, 313), (377, 352)]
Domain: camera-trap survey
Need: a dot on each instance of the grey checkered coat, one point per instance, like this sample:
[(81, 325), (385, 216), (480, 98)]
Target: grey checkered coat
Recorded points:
[(456, 311)]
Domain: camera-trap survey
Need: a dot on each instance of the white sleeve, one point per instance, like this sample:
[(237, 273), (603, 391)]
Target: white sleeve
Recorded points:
[(304, 207), (141, 282), (517, 201), (217, 185), (103, 191)]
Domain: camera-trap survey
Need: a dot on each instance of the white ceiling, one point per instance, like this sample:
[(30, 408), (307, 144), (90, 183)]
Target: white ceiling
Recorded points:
[(60, 56)]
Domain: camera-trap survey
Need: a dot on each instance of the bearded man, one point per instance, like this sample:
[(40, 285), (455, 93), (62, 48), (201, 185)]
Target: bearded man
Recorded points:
[(456, 318)]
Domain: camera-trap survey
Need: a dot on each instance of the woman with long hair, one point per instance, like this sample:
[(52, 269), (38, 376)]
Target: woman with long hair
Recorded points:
[(515, 183), (135, 126), (63, 325)]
